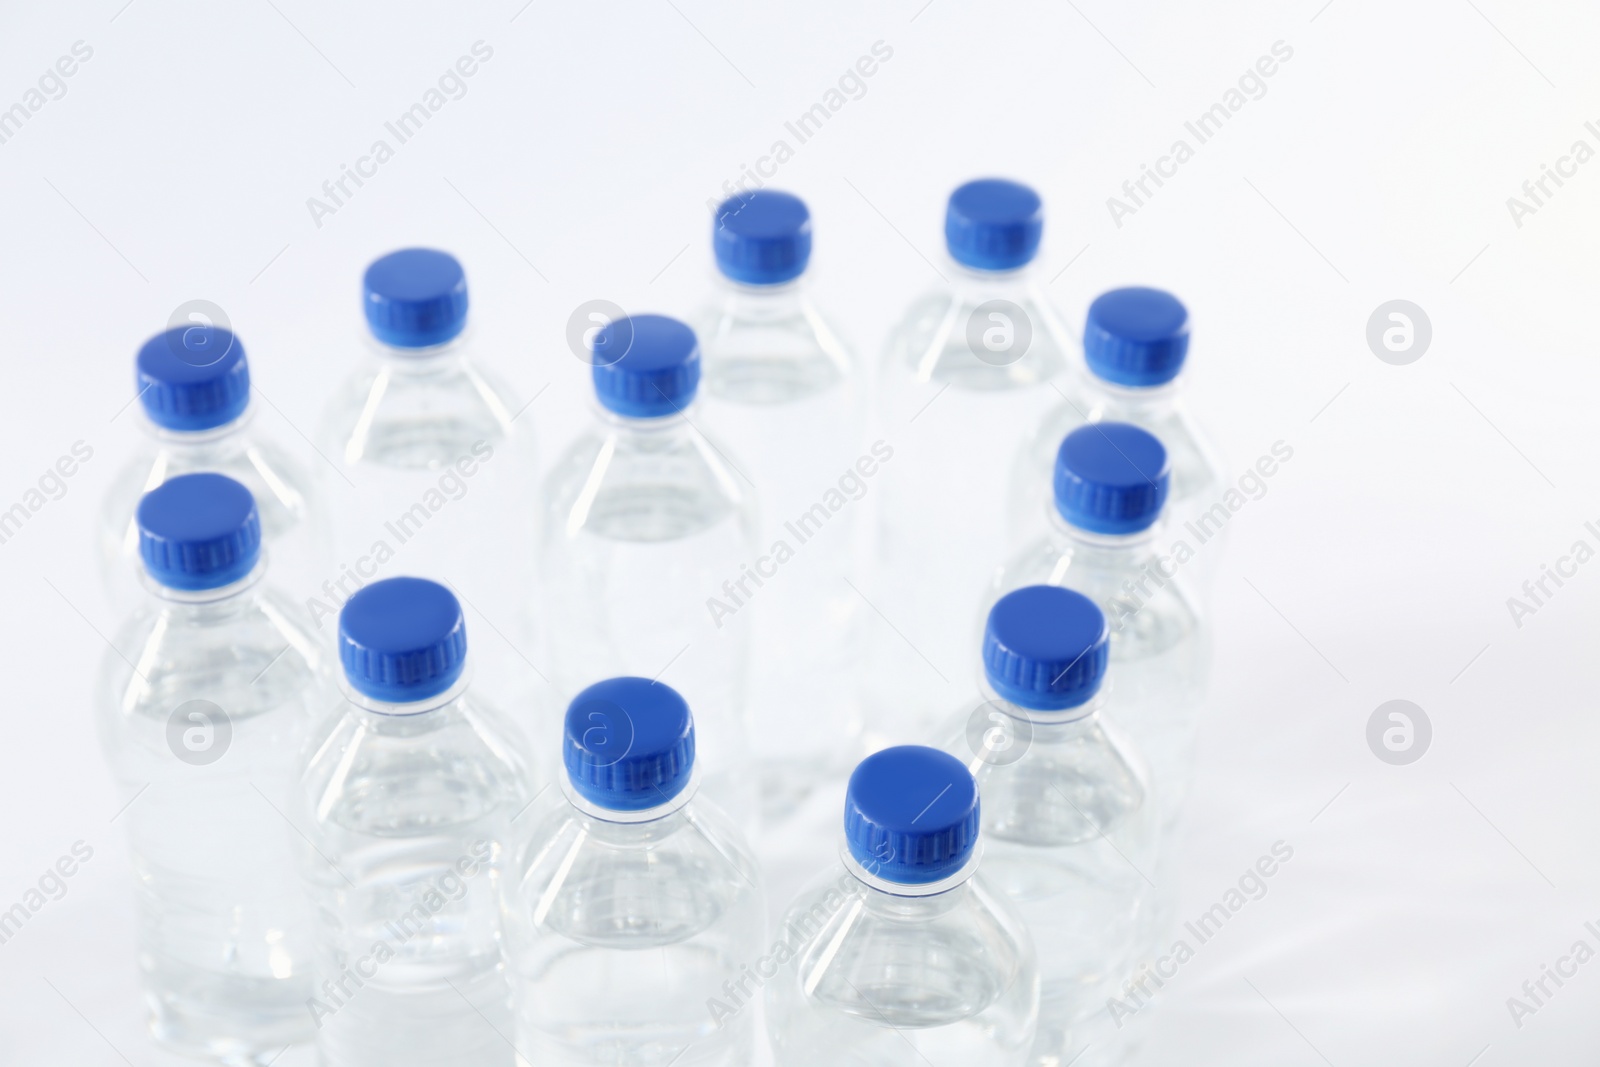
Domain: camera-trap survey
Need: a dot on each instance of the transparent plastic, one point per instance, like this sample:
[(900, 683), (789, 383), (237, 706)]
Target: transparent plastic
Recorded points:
[(201, 723), (1160, 667), (440, 465), (902, 976), (1196, 472), (784, 393), (966, 374), (624, 936), (407, 816), (1160, 647), (289, 499), (1071, 838), (645, 520)]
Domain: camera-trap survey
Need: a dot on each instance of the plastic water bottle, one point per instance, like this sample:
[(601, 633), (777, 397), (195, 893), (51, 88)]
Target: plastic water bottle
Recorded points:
[(409, 794), (197, 415), (1135, 344), (201, 710), (784, 393), (636, 907), (1069, 830), (647, 524), (903, 954), (1111, 481), (967, 374), (438, 464)]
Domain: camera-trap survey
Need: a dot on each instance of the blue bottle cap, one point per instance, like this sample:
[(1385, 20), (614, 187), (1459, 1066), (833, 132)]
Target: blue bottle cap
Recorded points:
[(415, 298), (1111, 478), (198, 531), (646, 366), (629, 744), (402, 640), (993, 224), (762, 237), (911, 814), (1136, 337), (1045, 648), (193, 378)]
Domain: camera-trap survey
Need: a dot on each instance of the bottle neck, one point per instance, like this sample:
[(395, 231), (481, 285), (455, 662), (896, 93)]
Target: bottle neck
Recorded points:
[(988, 284), (864, 875), (228, 436), (1136, 402), (407, 716), (1061, 722), (1112, 550), (762, 301), (234, 597), (654, 814), (649, 430), (422, 362)]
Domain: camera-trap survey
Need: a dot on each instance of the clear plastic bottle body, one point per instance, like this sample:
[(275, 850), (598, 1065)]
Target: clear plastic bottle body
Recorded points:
[(622, 934), (886, 976), (407, 813), (959, 390), (1160, 646), (785, 394), (289, 497), (437, 474), (1159, 673), (1071, 838), (201, 724), (645, 520), (1196, 471)]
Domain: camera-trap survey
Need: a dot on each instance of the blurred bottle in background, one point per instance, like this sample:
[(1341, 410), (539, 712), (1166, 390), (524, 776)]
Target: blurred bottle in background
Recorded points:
[(408, 795), (1111, 482), (1070, 834), (1135, 345), (784, 393), (903, 954), (971, 368), (194, 397), (202, 705), (648, 523), (636, 901), (437, 469)]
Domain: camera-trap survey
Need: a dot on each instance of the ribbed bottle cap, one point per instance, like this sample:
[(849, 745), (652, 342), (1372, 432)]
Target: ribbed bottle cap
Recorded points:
[(629, 743), (911, 814), (402, 640), (1136, 337), (415, 298), (762, 237), (1111, 478), (198, 531), (993, 224), (1045, 648), (193, 378), (646, 366)]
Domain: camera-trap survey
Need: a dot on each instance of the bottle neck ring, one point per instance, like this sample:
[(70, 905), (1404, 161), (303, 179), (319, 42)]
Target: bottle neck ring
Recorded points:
[(407, 709), (643, 815), (866, 877)]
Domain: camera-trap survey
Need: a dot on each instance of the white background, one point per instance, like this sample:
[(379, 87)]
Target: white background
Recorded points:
[(578, 165)]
